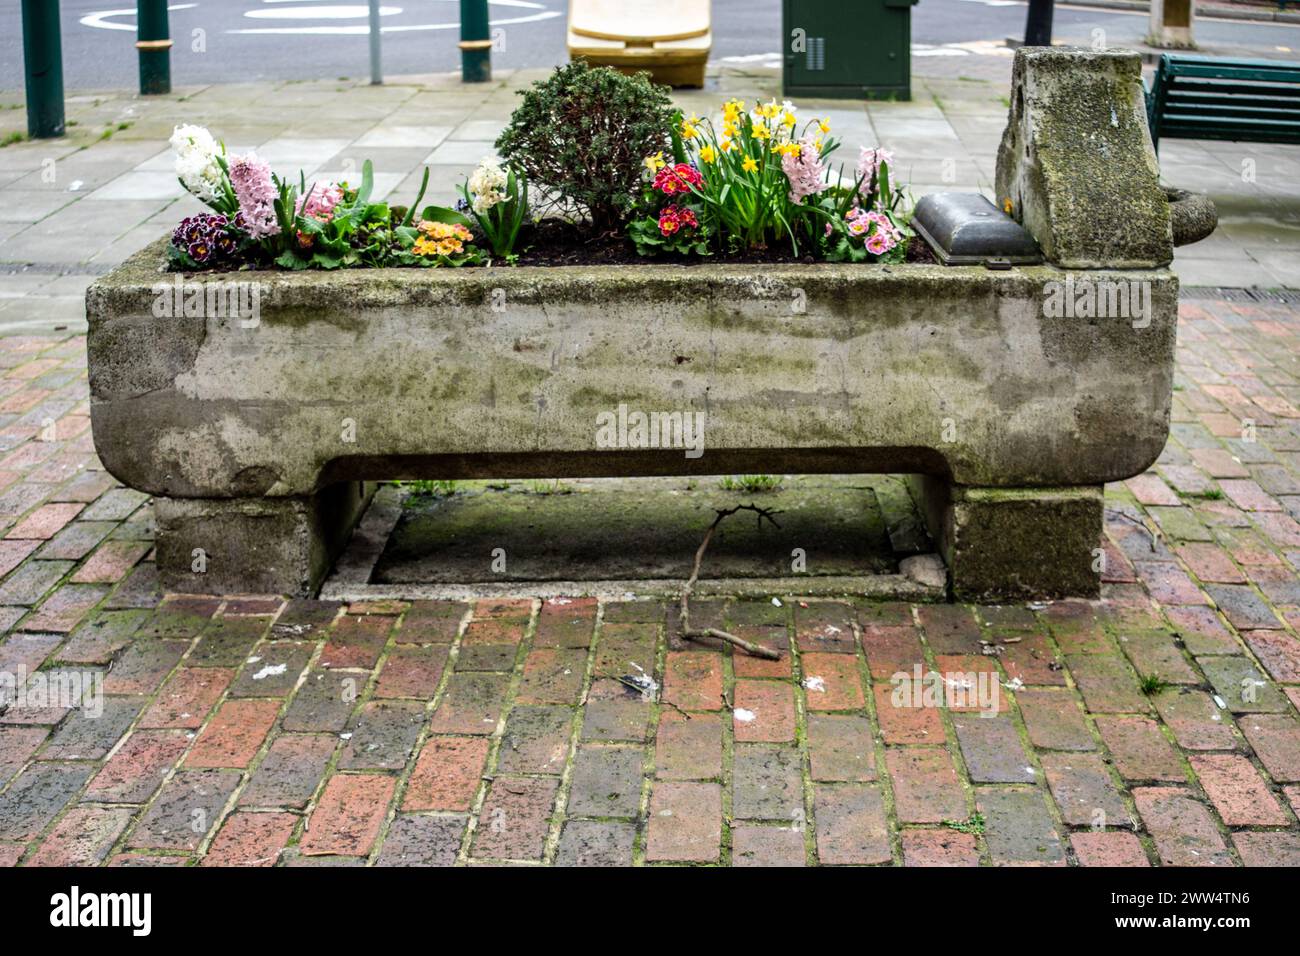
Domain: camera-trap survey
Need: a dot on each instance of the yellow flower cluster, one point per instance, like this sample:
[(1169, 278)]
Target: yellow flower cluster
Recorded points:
[(440, 238), (769, 127)]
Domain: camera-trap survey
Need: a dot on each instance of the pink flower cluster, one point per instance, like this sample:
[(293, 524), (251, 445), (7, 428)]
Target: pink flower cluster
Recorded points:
[(880, 231), (678, 179), (803, 167), (320, 201), (869, 163), (256, 192)]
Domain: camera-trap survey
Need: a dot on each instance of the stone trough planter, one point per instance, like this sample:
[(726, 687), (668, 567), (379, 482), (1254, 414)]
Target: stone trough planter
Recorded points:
[(260, 432)]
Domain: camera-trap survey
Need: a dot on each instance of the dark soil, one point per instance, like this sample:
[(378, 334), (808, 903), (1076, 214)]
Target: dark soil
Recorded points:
[(555, 242)]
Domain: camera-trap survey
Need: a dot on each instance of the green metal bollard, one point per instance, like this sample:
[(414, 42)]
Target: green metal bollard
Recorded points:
[(43, 63), (475, 42), (153, 40)]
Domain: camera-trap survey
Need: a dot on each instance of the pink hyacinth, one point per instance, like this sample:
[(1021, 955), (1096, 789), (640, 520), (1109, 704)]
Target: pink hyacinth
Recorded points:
[(320, 201), (869, 163), (251, 180), (805, 171)]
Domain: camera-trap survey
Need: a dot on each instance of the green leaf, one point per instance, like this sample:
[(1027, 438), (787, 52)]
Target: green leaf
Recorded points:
[(309, 226), (367, 183), (443, 214), (410, 211), (290, 260)]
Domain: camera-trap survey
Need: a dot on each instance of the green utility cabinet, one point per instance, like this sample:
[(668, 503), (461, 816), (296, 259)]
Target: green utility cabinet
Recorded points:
[(847, 49)]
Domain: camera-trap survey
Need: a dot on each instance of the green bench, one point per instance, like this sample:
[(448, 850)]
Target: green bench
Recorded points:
[(1201, 97)]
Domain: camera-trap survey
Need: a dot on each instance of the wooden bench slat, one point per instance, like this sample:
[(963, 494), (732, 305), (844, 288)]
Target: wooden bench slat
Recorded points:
[(1210, 106), (1191, 112), (1234, 89)]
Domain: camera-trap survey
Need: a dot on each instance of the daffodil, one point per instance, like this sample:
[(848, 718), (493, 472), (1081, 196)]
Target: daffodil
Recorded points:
[(824, 125), (749, 165), (762, 132), (726, 145), (708, 154), (656, 162)]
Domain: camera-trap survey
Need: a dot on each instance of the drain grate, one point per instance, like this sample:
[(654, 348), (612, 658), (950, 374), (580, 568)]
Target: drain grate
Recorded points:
[(1252, 294)]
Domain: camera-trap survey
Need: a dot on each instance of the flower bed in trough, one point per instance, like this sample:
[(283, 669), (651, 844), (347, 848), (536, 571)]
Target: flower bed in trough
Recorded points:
[(608, 153), (260, 368)]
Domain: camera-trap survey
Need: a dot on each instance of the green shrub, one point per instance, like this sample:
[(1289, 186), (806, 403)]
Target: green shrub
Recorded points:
[(584, 132)]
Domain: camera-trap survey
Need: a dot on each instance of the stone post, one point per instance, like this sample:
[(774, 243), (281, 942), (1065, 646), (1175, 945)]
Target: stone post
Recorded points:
[(1171, 24), (1077, 169)]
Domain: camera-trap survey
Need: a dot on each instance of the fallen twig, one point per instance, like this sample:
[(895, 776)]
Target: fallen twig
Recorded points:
[(665, 700), (697, 633), (1153, 535)]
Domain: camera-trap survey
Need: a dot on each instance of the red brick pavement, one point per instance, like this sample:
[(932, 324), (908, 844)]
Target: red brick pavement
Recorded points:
[(266, 732)]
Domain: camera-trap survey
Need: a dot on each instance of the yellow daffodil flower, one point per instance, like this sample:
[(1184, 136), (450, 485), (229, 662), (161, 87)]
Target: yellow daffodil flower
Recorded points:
[(708, 154), (749, 165), (656, 162)]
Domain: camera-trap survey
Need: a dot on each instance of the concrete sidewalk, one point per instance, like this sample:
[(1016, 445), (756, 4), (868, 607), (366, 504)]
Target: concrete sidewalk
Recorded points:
[(73, 208)]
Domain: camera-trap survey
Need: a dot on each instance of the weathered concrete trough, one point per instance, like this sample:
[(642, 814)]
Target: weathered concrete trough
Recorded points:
[(1012, 394)]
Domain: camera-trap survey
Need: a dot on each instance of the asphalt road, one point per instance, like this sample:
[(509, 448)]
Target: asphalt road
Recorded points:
[(238, 40)]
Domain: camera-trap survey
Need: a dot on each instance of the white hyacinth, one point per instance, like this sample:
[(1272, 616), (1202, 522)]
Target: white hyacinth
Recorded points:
[(196, 161), (488, 186)]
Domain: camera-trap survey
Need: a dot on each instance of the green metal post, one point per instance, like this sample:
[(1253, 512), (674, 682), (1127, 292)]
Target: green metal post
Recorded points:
[(475, 42), (43, 65), (153, 40)]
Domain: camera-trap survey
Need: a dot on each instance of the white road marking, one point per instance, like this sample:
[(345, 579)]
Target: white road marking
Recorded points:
[(101, 21), (337, 12), (363, 29)]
